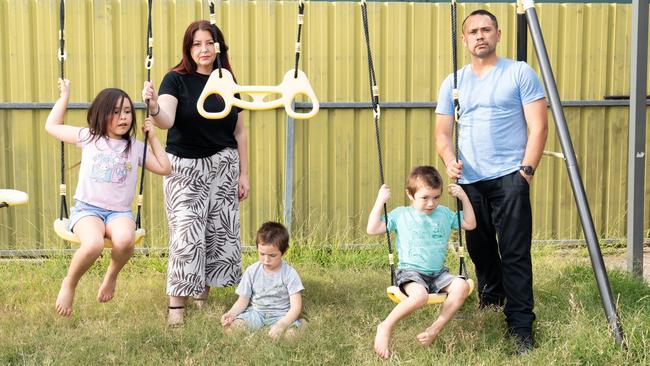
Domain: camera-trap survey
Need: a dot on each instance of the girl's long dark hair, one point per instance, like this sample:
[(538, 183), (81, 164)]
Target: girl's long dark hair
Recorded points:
[(187, 64), (101, 111)]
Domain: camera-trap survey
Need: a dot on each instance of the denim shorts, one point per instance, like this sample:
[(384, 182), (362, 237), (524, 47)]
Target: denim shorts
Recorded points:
[(83, 209), (433, 283), (256, 319)]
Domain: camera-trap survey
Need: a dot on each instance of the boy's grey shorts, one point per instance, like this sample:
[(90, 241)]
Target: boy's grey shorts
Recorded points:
[(433, 283)]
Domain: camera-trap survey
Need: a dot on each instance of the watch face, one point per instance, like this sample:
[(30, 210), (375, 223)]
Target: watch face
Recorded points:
[(528, 170)]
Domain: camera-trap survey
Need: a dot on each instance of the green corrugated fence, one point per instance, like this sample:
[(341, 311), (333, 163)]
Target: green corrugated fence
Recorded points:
[(335, 172)]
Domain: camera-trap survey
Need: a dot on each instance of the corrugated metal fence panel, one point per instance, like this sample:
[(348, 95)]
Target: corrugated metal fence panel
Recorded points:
[(336, 173)]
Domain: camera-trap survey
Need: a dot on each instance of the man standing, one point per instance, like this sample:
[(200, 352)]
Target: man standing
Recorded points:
[(502, 131)]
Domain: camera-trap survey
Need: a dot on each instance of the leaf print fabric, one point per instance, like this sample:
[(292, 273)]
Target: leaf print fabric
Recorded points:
[(204, 232)]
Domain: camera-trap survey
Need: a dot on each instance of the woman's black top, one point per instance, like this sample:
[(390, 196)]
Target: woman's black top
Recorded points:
[(193, 136)]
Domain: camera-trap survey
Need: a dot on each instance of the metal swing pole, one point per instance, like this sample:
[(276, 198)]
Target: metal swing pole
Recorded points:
[(574, 174)]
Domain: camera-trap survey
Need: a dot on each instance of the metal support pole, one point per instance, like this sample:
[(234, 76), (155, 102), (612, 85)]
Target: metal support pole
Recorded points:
[(288, 172), (636, 137), (574, 174)]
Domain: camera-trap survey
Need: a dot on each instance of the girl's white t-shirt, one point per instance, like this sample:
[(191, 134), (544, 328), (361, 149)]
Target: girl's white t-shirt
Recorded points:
[(108, 175)]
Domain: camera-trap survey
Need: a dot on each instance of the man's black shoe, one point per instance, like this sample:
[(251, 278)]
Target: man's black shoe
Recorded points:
[(523, 344)]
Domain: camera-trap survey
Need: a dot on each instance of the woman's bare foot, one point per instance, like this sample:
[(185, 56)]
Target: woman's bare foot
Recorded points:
[(65, 298), (107, 289), (381, 341), (428, 336)]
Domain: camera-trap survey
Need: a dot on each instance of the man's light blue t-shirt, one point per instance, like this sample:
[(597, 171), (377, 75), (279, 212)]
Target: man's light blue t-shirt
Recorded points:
[(421, 239), (493, 132)]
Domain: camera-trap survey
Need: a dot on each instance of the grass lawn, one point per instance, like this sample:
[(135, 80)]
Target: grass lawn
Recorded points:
[(344, 301)]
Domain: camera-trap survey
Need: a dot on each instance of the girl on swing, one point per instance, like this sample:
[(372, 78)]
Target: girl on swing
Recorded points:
[(107, 182)]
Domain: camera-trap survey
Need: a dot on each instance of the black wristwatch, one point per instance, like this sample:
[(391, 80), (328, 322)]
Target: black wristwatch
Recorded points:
[(527, 169)]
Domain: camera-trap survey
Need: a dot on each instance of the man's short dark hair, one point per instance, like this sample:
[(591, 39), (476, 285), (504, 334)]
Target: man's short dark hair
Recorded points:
[(481, 12), (273, 233)]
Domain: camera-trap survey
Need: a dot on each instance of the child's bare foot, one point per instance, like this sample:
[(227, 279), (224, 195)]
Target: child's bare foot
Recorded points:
[(381, 341), (64, 299), (428, 336), (107, 289)]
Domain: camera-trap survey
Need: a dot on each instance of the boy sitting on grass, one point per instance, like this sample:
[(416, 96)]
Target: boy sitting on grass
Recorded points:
[(422, 232), (270, 290)]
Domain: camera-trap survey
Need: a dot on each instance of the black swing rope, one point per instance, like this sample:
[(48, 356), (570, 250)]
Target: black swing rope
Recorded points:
[(217, 46), (374, 92), (148, 63), (301, 12), (61, 55), (455, 128)]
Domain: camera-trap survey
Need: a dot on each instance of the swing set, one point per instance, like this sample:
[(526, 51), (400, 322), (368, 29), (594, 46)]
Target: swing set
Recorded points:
[(394, 292), (61, 225), (296, 83), (220, 82), (12, 197)]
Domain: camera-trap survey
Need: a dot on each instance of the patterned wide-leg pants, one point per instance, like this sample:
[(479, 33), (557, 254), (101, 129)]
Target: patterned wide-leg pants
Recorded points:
[(201, 198)]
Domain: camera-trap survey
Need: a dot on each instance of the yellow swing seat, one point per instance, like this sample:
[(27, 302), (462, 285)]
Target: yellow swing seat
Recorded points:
[(396, 295), (12, 197), (61, 229)]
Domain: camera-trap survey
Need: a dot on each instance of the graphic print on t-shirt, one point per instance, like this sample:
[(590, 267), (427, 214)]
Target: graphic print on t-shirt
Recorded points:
[(110, 167)]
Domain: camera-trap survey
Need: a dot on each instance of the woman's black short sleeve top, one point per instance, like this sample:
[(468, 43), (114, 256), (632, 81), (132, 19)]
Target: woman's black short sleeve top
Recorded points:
[(193, 136)]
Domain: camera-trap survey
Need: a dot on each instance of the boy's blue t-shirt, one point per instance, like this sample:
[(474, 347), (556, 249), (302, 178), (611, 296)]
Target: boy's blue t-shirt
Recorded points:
[(269, 292), (421, 239), (493, 132)]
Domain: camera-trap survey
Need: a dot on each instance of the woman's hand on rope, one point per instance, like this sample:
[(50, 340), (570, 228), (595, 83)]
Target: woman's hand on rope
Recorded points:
[(244, 187), (64, 88), (150, 94), (454, 168)]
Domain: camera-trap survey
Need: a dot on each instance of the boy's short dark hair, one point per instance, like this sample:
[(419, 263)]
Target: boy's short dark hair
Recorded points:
[(481, 12), (424, 175), (273, 233)]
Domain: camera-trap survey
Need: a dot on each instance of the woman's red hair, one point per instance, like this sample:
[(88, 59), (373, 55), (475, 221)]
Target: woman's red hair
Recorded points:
[(187, 64)]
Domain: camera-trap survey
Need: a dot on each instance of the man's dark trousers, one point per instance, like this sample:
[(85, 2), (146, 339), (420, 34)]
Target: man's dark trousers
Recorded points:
[(503, 266)]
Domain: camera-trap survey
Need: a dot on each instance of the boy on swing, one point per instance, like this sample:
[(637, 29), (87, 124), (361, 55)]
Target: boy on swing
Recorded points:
[(422, 233)]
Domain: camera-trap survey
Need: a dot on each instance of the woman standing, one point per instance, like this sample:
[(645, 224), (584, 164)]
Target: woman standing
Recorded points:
[(209, 173)]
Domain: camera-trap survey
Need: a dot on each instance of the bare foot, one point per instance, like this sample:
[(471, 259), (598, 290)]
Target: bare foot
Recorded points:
[(107, 289), (381, 341), (428, 336), (64, 299)]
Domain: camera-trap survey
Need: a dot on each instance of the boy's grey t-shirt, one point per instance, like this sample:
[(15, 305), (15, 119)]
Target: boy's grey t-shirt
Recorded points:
[(269, 292)]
